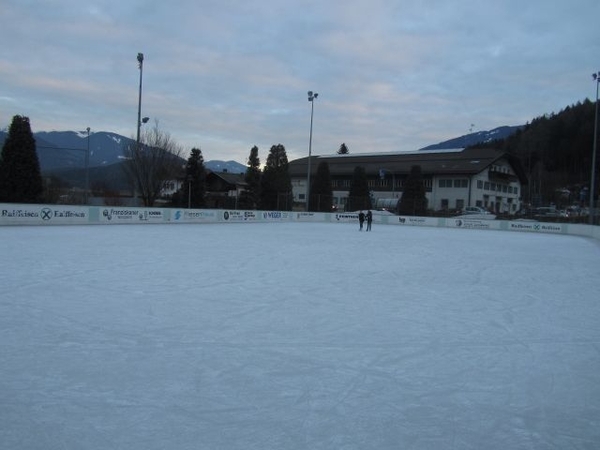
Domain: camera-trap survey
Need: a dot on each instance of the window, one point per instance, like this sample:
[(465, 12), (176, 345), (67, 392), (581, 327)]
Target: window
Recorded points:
[(445, 203), (479, 184), (457, 183), (460, 203), (486, 186), (445, 183)]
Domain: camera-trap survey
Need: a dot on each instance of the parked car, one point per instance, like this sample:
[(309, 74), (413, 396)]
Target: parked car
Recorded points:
[(475, 210), (549, 211)]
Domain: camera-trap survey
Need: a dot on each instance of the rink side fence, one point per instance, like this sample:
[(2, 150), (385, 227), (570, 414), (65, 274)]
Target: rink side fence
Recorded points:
[(26, 214)]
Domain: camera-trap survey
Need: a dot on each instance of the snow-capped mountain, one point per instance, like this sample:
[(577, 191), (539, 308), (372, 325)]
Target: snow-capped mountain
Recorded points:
[(58, 150), (475, 138)]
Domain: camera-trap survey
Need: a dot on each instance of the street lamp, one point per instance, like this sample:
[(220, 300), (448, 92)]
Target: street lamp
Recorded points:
[(596, 77), (140, 58), (311, 97)]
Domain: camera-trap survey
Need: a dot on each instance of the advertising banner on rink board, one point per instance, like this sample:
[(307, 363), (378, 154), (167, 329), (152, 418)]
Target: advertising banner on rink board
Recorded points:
[(276, 216), (121, 215), (194, 215), (12, 214), (417, 221), (239, 216), (478, 224), (345, 217), (311, 217), (537, 227)]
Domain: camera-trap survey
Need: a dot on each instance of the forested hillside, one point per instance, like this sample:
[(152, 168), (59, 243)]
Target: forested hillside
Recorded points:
[(556, 152)]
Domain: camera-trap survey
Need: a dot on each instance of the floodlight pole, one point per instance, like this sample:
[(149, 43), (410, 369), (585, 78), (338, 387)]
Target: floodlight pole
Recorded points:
[(87, 167), (140, 58), (596, 77), (311, 98)]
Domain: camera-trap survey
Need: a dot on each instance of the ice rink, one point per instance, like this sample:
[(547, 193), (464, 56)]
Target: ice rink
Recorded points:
[(297, 336)]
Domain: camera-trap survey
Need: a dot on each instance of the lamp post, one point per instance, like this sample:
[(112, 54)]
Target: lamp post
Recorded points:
[(596, 77), (140, 58), (87, 167), (311, 98)]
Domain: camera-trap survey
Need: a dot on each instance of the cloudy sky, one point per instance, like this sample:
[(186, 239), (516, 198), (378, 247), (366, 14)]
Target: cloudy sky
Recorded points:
[(225, 75)]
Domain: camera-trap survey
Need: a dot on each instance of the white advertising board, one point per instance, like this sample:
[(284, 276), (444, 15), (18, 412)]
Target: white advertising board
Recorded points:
[(417, 221), (476, 224), (276, 216), (13, 214), (194, 215), (536, 227)]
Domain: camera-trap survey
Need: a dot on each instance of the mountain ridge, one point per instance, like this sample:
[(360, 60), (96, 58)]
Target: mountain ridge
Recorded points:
[(60, 150), (478, 137)]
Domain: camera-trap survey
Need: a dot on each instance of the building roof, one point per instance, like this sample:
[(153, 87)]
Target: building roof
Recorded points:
[(228, 177), (438, 162)]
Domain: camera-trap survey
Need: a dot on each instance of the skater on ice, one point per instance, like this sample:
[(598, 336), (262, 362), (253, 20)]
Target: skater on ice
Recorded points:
[(361, 220)]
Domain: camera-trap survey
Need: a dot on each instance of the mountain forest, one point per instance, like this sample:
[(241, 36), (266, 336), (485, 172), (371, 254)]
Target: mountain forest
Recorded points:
[(556, 152)]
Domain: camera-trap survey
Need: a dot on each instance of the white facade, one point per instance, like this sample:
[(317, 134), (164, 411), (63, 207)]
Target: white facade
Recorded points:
[(495, 187)]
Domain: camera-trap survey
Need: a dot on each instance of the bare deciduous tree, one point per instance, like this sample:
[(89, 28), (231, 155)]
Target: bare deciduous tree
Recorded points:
[(151, 165)]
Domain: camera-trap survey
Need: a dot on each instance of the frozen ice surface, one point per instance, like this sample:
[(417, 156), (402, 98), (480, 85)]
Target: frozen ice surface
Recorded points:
[(297, 336)]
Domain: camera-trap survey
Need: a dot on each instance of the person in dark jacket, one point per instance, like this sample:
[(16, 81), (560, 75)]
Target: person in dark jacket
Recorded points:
[(369, 220), (361, 220)]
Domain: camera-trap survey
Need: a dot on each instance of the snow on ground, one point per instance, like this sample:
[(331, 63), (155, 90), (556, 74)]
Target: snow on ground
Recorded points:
[(297, 336)]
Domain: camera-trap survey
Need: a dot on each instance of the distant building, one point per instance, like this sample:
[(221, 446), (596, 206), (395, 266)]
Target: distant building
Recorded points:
[(223, 189), (454, 179)]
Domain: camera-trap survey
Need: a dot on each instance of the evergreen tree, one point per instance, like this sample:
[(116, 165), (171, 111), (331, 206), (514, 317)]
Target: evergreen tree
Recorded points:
[(343, 150), (195, 179), (555, 151), (20, 174), (321, 191), (250, 198), (276, 183), (413, 201), (359, 196)]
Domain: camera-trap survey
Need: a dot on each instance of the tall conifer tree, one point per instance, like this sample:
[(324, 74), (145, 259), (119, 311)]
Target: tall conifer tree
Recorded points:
[(276, 183), (359, 195), (343, 150), (20, 174), (321, 190), (250, 198), (195, 180), (414, 199)]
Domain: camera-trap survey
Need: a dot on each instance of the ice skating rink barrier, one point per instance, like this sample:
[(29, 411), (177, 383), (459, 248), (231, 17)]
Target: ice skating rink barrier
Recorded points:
[(33, 214)]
